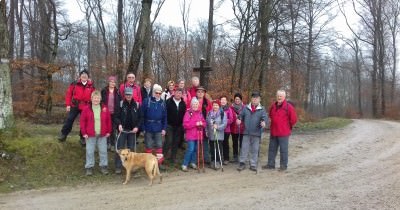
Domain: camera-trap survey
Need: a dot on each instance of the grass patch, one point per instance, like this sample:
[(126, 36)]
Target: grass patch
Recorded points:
[(322, 124)]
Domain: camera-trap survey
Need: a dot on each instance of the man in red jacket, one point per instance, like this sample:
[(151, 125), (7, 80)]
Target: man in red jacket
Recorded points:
[(77, 98), (283, 118)]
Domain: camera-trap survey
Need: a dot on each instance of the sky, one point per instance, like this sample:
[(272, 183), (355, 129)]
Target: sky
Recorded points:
[(170, 13)]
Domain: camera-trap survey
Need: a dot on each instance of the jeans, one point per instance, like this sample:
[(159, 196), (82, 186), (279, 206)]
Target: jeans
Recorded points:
[(191, 153), (125, 140), (67, 127), (153, 140), (101, 143), (174, 133), (250, 144), (283, 144)]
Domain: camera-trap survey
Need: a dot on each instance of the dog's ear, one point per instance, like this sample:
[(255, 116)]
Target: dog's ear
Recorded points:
[(129, 150), (118, 152)]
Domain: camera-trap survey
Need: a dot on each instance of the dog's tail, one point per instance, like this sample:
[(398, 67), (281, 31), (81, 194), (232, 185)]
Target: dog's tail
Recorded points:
[(156, 170)]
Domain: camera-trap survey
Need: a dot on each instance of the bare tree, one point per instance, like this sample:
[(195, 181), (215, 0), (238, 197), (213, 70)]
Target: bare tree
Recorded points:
[(6, 109)]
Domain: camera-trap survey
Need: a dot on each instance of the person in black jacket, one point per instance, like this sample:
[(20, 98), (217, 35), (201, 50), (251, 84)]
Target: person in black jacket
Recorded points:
[(147, 90), (128, 119), (111, 98), (176, 109)]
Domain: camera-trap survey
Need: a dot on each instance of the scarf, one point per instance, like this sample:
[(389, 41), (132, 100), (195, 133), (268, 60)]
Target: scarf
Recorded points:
[(237, 107)]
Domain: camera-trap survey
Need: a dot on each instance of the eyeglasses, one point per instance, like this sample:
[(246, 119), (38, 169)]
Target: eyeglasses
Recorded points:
[(158, 93)]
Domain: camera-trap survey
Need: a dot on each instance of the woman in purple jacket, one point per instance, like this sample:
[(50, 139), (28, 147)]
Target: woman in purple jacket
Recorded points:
[(193, 121)]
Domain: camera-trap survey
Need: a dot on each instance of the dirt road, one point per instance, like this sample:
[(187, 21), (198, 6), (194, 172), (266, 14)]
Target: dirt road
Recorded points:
[(356, 167)]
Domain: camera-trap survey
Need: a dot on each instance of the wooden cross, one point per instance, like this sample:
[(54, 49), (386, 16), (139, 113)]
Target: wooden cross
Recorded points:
[(203, 73)]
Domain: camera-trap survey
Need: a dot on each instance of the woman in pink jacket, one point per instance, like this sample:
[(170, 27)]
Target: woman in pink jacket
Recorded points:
[(193, 121)]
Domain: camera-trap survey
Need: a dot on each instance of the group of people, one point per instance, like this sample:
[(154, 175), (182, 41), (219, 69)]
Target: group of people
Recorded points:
[(115, 117)]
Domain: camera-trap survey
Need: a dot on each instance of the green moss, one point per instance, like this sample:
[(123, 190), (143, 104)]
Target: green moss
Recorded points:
[(326, 123)]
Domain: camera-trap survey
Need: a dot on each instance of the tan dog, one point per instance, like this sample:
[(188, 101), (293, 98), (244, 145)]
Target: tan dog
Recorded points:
[(131, 160)]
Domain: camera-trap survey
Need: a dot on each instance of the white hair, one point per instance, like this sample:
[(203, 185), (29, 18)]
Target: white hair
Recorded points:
[(283, 92)]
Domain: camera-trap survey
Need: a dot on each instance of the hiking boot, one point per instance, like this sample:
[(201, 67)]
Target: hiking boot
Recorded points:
[(241, 167), (193, 165), (267, 167), (282, 168), (118, 171), (62, 138), (217, 166), (104, 170), (184, 168), (226, 162), (89, 171), (253, 168)]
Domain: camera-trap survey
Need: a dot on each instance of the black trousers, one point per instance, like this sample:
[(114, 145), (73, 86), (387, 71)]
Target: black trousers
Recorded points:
[(67, 127)]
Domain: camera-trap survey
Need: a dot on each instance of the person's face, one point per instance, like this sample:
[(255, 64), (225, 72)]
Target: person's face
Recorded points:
[(195, 82), (200, 93), (157, 94), (255, 100), (171, 87), (195, 106), (215, 107), (130, 78), (224, 101), (181, 84), (238, 100), (280, 97), (111, 84), (84, 77), (178, 95), (147, 84), (96, 100), (128, 97)]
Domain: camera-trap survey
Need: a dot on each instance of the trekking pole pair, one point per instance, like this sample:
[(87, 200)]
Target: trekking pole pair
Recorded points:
[(215, 151), (117, 140), (200, 149)]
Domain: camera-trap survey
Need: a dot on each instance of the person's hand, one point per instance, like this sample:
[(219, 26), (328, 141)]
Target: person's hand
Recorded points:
[(104, 109), (135, 130), (262, 124), (68, 108), (163, 133), (107, 135), (215, 126), (238, 121), (120, 128), (85, 136)]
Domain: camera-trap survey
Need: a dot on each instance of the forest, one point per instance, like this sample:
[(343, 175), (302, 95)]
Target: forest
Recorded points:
[(267, 45)]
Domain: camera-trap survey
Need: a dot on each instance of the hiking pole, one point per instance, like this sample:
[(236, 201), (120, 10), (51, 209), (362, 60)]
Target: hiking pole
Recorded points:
[(117, 139), (259, 147), (219, 150), (202, 148), (200, 153), (215, 151)]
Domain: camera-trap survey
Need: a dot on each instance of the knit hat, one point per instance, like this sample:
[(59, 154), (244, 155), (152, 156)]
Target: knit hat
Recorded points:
[(112, 78), (84, 71), (255, 94), (216, 102), (238, 95), (157, 87)]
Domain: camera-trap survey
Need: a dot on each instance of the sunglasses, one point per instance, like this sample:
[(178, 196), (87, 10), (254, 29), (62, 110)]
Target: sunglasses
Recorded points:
[(157, 93)]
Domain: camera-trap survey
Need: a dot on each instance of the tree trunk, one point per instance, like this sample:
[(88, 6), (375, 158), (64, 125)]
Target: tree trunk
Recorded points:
[(147, 45), (6, 111), (120, 62), (265, 14), (138, 44), (13, 4)]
